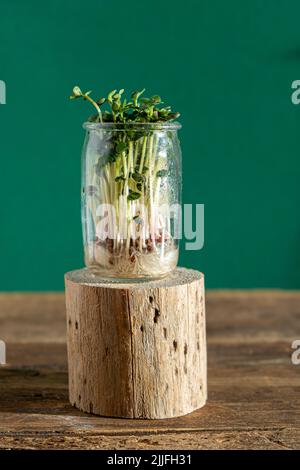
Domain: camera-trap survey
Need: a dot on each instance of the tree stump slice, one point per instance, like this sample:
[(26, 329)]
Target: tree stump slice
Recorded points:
[(136, 349)]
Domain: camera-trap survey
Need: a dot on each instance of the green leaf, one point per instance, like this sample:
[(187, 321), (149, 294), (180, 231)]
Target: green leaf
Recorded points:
[(164, 111), (135, 96), (173, 115), (112, 158), (155, 99), (107, 117), (121, 147), (120, 178), (133, 195), (161, 173), (137, 176), (110, 95)]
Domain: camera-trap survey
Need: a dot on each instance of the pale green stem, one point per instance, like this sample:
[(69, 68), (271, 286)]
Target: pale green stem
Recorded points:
[(95, 105), (143, 154), (130, 157), (136, 151), (124, 163)]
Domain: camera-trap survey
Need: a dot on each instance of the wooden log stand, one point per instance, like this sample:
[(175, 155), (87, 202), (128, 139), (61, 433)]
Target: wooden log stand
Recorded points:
[(136, 350)]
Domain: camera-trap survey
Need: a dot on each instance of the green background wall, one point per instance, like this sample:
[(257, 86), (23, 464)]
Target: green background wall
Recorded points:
[(226, 65)]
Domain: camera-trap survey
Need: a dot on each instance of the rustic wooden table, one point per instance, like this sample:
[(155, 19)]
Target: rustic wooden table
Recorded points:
[(254, 389)]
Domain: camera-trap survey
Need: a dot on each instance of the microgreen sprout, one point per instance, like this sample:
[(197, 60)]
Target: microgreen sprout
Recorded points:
[(138, 109), (77, 93)]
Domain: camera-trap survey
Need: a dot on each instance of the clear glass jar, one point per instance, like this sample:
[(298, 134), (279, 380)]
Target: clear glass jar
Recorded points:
[(131, 195)]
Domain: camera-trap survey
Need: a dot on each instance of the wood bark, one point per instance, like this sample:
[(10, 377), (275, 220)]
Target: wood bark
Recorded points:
[(136, 350)]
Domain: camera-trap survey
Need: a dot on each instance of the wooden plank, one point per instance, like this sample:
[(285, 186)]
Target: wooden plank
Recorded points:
[(243, 440), (254, 393)]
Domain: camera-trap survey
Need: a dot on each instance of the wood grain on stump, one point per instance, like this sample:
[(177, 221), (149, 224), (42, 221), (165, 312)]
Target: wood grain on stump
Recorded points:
[(136, 350)]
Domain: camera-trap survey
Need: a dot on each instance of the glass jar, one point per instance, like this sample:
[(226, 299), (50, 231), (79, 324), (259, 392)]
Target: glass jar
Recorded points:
[(131, 194)]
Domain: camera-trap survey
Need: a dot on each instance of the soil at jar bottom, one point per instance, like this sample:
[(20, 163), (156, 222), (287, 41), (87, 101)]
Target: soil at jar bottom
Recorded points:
[(131, 259)]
